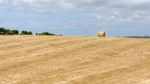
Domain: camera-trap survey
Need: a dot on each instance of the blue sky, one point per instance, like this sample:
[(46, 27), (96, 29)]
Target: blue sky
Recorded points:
[(77, 17)]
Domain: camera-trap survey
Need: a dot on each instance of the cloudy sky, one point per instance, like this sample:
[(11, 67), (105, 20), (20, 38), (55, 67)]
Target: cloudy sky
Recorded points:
[(77, 17)]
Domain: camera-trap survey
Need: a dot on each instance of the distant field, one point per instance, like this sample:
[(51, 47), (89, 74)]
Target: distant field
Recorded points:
[(74, 60)]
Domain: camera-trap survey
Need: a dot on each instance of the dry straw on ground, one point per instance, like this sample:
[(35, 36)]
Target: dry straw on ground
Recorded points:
[(74, 60)]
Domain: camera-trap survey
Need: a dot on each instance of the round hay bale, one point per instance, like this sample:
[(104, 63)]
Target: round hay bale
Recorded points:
[(101, 34)]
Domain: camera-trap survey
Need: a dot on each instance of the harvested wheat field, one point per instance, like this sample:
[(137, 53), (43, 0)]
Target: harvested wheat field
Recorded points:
[(74, 60)]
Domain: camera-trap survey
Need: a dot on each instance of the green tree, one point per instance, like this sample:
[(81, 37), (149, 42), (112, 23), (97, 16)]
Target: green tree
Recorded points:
[(8, 32), (2, 29), (15, 32), (46, 33), (29, 33), (26, 32)]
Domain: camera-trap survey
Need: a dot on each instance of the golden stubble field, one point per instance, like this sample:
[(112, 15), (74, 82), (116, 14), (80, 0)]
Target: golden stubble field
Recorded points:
[(74, 60)]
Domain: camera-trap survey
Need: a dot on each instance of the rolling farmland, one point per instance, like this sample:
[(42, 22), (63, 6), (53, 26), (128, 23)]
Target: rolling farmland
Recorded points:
[(74, 60)]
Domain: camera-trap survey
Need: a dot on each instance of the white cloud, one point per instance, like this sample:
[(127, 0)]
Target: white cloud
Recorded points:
[(1, 2), (85, 4), (106, 6), (108, 11)]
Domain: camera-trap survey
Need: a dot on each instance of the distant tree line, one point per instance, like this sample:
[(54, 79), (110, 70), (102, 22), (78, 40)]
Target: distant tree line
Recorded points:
[(47, 33), (4, 31), (138, 36), (26, 32)]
